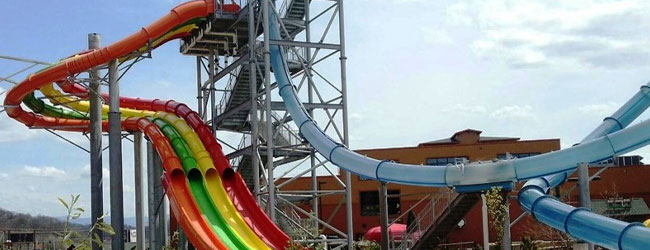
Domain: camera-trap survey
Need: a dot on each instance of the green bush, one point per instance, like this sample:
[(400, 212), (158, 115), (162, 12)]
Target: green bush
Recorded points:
[(528, 244)]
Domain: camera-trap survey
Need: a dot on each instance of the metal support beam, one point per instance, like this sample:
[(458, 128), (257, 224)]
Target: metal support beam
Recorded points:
[(115, 156), (160, 208), (585, 194), (139, 205), (255, 164), (306, 44), (212, 59), (484, 217), (346, 134), (383, 216), (269, 117), (199, 95), (228, 70), (96, 185), (151, 200)]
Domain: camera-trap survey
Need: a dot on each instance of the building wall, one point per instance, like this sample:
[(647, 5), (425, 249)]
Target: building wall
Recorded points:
[(482, 151)]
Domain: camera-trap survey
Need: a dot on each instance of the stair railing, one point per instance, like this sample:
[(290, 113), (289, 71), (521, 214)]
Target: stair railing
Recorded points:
[(285, 131), (244, 142), (230, 88), (425, 217)]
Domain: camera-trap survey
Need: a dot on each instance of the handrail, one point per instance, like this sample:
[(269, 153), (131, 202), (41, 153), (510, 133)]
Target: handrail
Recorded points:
[(228, 90), (426, 218)]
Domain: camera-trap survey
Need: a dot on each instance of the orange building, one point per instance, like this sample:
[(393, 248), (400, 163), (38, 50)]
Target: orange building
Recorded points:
[(463, 145)]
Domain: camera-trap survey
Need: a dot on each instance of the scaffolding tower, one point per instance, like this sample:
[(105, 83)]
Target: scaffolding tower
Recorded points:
[(235, 92)]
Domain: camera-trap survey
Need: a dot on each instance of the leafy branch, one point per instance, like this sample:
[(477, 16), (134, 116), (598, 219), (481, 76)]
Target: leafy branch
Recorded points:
[(74, 239)]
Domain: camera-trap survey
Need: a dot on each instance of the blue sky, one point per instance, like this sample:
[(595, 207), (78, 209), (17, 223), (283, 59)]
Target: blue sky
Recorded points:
[(417, 71)]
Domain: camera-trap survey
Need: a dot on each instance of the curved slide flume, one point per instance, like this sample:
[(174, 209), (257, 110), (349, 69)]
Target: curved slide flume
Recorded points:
[(63, 120), (235, 185), (183, 206), (199, 188), (480, 176), (227, 222), (579, 222), (231, 220)]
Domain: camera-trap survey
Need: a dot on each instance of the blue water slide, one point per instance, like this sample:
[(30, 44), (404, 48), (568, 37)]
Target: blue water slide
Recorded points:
[(606, 141), (580, 222)]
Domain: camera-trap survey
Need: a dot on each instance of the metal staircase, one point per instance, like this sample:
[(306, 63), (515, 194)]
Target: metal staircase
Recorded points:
[(293, 13), (438, 217), (290, 146)]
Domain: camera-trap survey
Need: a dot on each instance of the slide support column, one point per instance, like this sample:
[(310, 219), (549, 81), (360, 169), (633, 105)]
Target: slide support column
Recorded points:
[(199, 88), (115, 154), (383, 213), (585, 194), (96, 184), (255, 161), (139, 205), (346, 140), (151, 194), (269, 118), (212, 59), (484, 216)]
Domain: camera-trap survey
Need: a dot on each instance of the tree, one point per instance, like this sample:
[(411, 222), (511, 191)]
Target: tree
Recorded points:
[(497, 211)]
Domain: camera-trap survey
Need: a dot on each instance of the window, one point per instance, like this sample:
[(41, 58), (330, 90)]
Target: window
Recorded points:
[(517, 155), (393, 202), (370, 202), (441, 161), (633, 160)]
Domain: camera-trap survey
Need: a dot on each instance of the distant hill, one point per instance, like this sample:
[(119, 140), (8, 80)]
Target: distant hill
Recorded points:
[(13, 220)]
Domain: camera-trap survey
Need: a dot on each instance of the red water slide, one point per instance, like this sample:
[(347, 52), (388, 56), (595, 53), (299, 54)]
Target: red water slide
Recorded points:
[(233, 182)]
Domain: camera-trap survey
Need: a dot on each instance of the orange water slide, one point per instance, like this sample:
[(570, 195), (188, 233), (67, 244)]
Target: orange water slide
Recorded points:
[(94, 58), (182, 205)]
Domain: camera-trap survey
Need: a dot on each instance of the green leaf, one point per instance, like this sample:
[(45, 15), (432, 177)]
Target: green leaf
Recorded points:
[(65, 204), (105, 227), (97, 240), (80, 209)]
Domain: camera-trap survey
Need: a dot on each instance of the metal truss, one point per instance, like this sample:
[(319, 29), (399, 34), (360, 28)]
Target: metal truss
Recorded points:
[(235, 92)]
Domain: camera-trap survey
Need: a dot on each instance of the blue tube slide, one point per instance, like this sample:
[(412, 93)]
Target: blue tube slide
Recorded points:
[(577, 222), (451, 175)]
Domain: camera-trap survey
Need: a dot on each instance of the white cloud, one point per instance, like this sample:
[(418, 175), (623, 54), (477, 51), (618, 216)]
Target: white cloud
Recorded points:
[(4, 176), (514, 111), (587, 33), (44, 171), (600, 109)]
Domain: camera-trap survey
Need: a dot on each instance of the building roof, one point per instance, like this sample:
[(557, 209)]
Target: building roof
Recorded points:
[(456, 138)]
